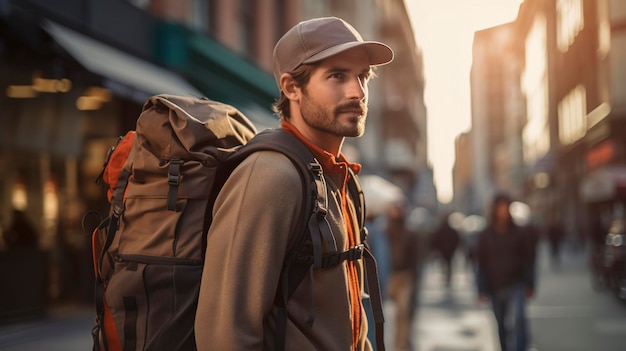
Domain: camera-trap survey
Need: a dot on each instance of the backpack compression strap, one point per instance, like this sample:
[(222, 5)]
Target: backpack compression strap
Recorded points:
[(111, 223)]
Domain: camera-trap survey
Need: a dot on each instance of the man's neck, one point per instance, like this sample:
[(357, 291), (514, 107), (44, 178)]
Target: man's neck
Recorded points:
[(325, 141)]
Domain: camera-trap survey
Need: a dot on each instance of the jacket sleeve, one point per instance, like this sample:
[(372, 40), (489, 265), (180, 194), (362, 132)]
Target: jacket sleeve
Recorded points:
[(246, 244)]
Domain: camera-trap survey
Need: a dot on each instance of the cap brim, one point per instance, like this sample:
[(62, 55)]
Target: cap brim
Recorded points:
[(378, 53)]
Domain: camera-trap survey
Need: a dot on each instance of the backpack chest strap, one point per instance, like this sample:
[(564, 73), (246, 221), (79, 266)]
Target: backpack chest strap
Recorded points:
[(333, 259)]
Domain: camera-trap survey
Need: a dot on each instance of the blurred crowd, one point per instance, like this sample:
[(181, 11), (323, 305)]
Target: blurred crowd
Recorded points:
[(498, 249)]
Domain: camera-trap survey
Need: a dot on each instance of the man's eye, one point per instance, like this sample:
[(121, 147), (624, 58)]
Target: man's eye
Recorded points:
[(336, 75)]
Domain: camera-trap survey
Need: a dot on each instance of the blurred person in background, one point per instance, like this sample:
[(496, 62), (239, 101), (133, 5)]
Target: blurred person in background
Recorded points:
[(506, 274), (522, 217), (375, 223), (402, 284), (555, 234), (379, 244), (444, 243), (421, 223), (21, 234)]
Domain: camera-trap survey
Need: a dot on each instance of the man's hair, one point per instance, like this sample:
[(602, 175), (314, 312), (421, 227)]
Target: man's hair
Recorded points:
[(301, 75), (503, 198)]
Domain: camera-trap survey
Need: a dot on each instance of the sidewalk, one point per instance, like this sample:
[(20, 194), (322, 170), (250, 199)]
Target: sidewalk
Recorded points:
[(65, 328), (565, 315), (448, 318)]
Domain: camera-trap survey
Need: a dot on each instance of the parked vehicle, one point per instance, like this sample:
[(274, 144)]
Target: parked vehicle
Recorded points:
[(615, 258)]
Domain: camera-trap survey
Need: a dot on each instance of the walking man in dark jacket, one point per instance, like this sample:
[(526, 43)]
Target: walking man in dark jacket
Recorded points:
[(506, 274), (445, 241)]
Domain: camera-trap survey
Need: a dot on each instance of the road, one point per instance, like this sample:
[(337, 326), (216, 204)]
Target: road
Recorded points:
[(565, 315)]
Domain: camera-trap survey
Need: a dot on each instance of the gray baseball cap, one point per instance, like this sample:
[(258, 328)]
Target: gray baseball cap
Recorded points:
[(319, 38)]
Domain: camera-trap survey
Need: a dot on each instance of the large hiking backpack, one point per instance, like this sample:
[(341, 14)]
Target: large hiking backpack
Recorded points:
[(162, 181)]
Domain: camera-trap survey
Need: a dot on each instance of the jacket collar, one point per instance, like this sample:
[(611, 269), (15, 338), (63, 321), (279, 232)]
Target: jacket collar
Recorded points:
[(329, 162)]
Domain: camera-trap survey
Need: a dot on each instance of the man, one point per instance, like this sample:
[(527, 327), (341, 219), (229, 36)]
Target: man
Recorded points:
[(445, 241), (402, 285), (506, 274), (322, 68)]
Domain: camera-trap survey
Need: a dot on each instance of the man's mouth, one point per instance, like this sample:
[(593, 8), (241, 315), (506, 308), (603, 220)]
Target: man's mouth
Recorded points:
[(353, 111)]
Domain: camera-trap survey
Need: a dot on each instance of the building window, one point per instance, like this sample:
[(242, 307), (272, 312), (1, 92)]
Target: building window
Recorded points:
[(535, 85), (281, 19), (198, 14), (19, 196), (247, 27), (572, 112), (569, 22), (213, 9)]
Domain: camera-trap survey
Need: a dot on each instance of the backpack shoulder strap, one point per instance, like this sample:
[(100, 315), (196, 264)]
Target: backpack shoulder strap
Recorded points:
[(312, 226), (314, 194), (356, 191), (371, 269)]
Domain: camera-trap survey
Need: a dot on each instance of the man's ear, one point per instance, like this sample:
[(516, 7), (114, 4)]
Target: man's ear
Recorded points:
[(289, 87)]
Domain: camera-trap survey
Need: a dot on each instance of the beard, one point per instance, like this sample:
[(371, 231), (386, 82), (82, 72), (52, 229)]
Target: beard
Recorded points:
[(326, 120)]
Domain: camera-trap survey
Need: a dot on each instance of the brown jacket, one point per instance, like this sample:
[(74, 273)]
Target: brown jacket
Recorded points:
[(254, 216)]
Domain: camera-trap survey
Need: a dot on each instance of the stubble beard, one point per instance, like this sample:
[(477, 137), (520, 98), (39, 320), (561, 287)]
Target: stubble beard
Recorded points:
[(321, 119)]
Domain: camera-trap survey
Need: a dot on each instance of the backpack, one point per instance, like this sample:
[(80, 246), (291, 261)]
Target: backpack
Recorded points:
[(162, 180)]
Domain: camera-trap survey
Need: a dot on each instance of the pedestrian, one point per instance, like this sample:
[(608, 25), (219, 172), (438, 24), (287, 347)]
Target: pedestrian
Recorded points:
[(379, 245), (402, 285), (444, 242), (322, 67), (506, 274), (556, 234), (21, 234)]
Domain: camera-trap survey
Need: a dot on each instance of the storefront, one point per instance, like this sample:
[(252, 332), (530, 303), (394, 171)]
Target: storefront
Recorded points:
[(68, 90), (603, 187)]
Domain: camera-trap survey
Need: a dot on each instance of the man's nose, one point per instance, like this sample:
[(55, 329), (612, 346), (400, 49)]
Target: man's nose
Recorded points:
[(358, 89)]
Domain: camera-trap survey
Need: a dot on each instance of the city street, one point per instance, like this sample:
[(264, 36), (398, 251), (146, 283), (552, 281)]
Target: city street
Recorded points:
[(566, 315)]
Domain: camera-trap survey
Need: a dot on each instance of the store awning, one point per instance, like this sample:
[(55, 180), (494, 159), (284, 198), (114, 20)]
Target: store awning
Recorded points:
[(119, 66), (604, 184)]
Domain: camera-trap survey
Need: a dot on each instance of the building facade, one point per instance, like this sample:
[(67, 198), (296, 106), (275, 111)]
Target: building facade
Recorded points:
[(496, 161), (565, 113)]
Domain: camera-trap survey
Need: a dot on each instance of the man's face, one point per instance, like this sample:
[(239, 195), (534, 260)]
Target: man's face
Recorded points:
[(502, 210), (334, 101)]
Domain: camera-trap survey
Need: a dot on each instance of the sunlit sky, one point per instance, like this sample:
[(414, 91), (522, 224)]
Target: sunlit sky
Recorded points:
[(444, 30)]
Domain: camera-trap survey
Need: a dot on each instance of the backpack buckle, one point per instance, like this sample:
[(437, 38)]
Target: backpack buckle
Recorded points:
[(320, 210), (172, 179), (316, 168), (356, 252), (173, 176)]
